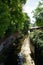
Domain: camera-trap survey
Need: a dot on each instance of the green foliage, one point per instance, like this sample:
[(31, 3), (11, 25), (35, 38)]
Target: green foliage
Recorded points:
[(37, 40), (4, 18), (23, 1), (38, 14), (37, 36), (26, 23), (12, 18)]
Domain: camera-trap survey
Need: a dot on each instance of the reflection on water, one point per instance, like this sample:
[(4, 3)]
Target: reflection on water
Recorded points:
[(20, 59)]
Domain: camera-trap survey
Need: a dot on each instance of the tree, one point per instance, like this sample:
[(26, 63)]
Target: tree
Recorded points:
[(26, 23), (4, 18), (38, 14), (11, 17)]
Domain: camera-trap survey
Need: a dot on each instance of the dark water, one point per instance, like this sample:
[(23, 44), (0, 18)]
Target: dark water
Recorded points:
[(13, 58), (20, 59)]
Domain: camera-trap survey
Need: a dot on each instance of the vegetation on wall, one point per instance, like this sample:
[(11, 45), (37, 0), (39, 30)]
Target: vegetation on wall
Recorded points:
[(36, 36)]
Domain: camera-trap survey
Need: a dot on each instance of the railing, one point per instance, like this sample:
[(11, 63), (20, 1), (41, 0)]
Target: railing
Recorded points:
[(35, 28)]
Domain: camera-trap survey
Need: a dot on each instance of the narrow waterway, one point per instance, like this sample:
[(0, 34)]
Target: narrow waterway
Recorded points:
[(26, 51), (25, 48)]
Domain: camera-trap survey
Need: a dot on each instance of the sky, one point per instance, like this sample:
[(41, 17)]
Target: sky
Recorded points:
[(29, 7)]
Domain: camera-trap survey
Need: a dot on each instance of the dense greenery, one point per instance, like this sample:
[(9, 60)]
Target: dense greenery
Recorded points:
[(12, 18), (38, 14), (4, 18), (36, 37)]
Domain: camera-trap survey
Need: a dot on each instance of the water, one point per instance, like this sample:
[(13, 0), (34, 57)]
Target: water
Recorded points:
[(20, 59), (25, 50)]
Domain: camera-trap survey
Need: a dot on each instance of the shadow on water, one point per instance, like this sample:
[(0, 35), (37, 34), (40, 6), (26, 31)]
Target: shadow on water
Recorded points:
[(11, 58), (38, 57)]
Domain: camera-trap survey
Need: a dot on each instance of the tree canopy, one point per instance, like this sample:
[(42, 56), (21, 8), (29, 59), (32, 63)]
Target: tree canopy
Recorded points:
[(12, 18), (38, 14)]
